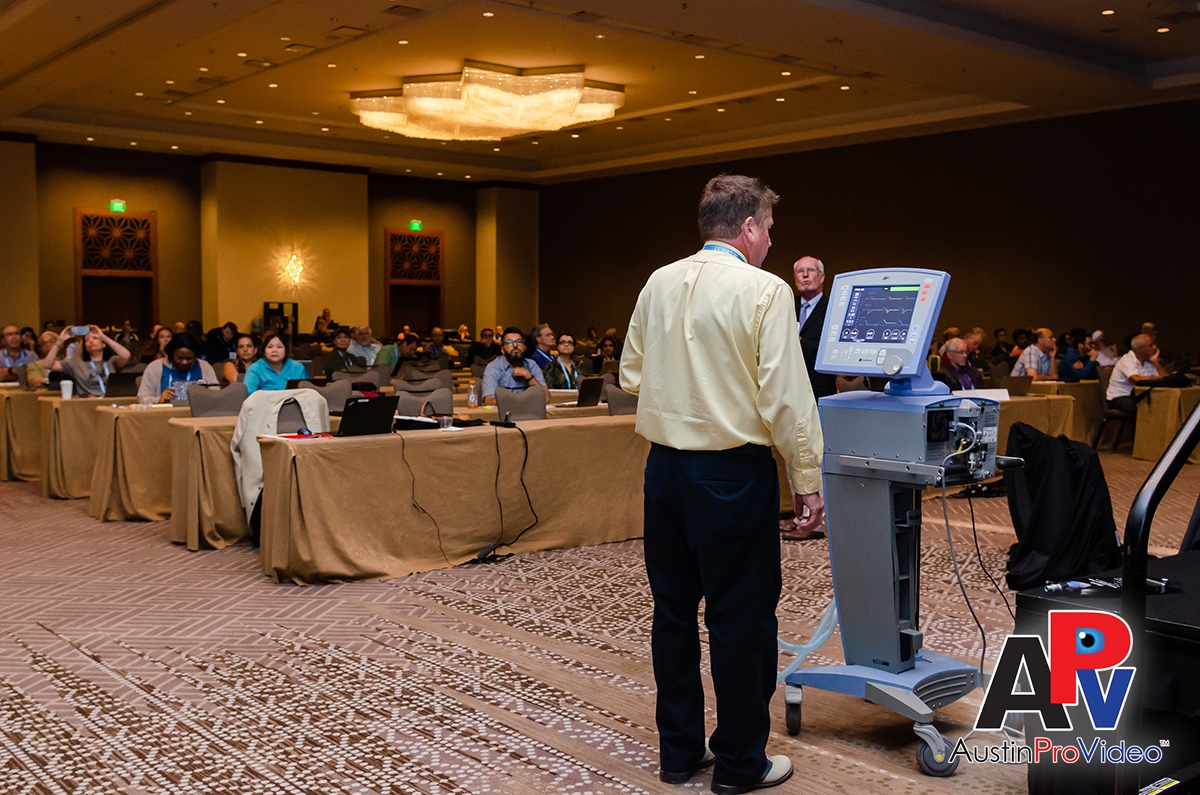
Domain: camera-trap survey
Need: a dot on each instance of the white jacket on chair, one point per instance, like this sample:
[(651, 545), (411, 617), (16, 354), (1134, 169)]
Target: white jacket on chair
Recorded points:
[(260, 417)]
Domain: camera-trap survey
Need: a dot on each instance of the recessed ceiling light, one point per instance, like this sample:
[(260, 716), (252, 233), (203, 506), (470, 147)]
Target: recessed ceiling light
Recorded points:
[(699, 57), (599, 35), (574, 135), (258, 121), (402, 41), (786, 74), (187, 113), (408, 171), (443, 143), (691, 92), (468, 176), (1164, 30), (439, 173), (535, 143), (174, 147), (90, 138), (241, 55), (316, 113), (720, 110), (203, 68), (667, 119), (331, 65), (285, 38), (220, 102), (845, 88), (272, 85), (133, 143), (1108, 12), (780, 99), (620, 128), (138, 94), (486, 14), (495, 149), (170, 82), (324, 129)]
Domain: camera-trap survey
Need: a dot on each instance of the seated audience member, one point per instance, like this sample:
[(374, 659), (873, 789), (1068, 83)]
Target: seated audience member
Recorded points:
[(485, 350), (1140, 364), (127, 336), (1104, 350), (999, 352), (88, 369), (247, 352), (13, 354), (183, 363), (464, 333), (562, 373), (365, 344), (38, 374), (1076, 363), (957, 372), (435, 351), (499, 332), (220, 345), (511, 369), (340, 359), (1021, 341), (606, 351), (1037, 359), (951, 333), (275, 369), (403, 352), (592, 336), (325, 323), (179, 327), (974, 340), (618, 342), (29, 339), (159, 339), (541, 342)]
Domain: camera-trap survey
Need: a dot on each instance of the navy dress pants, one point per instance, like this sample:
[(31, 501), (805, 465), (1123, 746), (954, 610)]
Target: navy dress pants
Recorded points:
[(712, 531)]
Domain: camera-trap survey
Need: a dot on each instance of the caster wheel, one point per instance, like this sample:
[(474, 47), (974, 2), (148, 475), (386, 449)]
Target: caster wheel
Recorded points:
[(791, 714), (930, 766)]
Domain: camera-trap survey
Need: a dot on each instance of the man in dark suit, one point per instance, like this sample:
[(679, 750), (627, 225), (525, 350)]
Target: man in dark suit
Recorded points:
[(811, 304), (957, 372)]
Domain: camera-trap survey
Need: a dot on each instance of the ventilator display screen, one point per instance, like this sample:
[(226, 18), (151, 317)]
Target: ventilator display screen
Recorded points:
[(879, 313)]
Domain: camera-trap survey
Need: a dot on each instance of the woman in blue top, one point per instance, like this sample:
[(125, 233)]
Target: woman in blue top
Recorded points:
[(275, 369)]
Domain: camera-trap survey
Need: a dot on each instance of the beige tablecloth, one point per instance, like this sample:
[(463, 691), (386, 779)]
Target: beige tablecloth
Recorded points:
[(1089, 405), (68, 443), (20, 453), (552, 412), (1159, 417), (206, 512), (320, 524), (132, 476), (1052, 414)]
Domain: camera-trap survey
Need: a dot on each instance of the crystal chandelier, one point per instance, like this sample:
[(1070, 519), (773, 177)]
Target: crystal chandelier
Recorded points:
[(487, 102)]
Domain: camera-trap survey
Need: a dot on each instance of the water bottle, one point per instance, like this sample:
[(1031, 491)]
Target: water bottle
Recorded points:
[(472, 395)]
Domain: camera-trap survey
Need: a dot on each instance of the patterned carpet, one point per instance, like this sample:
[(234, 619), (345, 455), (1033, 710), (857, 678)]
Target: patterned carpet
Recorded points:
[(128, 665)]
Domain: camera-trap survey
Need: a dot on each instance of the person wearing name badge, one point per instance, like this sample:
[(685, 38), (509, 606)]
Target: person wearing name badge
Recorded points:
[(13, 354), (247, 351), (606, 351), (512, 370), (562, 373), (541, 341), (275, 369), (88, 369), (183, 363)]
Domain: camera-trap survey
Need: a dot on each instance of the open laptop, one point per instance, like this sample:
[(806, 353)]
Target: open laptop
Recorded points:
[(610, 367), (122, 385), (1018, 385), (367, 416), (590, 390)]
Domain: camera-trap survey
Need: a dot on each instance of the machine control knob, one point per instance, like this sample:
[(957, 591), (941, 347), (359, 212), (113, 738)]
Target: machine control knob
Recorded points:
[(892, 364)]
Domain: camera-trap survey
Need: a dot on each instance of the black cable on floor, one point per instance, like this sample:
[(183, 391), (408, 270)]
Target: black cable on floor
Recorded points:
[(528, 500), (979, 557), (416, 504)]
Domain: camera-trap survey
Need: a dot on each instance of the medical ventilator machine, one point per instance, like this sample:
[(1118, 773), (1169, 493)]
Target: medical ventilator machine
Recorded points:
[(882, 449)]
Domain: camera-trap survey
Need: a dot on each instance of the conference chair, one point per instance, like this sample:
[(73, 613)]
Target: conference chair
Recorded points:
[(619, 401), (999, 373), (1111, 414), (139, 367), (428, 383), (225, 402), (368, 375), (477, 371), (609, 380), (336, 393), (516, 406), (411, 404), (291, 420)]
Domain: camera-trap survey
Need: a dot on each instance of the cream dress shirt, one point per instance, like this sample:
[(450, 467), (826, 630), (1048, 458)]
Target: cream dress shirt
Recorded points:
[(711, 352)]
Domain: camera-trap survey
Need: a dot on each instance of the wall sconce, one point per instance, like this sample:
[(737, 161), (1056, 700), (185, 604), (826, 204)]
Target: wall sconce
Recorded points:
[(293, 269)]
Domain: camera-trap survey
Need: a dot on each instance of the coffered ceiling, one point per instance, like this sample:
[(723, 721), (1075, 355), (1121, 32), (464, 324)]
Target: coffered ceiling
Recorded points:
[(704, 79)]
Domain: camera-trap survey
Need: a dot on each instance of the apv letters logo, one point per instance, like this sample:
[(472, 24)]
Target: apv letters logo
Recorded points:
[(1083, 643)]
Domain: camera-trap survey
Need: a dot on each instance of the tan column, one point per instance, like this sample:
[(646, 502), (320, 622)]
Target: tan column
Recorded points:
[(19, 230), (506, 257)]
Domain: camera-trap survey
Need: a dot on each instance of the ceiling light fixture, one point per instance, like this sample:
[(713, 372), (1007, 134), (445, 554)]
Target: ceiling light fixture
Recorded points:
[(331, 65), (133, 143), (258, 121), (535, 143), (138, 94), (692, 92), (779, 99), (285, 38), (720, 110), (324, 129), (599, 35), (786, 74), (574, 135), (90, 138), (220, 102), (1164, 30), (618, 127), (488, 102), (170, 82), (187, 113), (486, 14), (272, 85), (241, 55), (402, 41), (174, 146), (845, 88), (439, 173), (1108, 12), (203, 68), (495, 149), (468, 176), (699, 57)]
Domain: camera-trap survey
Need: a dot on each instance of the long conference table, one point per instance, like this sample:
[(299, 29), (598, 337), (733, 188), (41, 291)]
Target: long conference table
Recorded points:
[(20, 443), (1160, 415)]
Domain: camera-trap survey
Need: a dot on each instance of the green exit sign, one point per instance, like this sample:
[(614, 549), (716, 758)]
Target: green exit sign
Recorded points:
[(116, 205), (414, 225)]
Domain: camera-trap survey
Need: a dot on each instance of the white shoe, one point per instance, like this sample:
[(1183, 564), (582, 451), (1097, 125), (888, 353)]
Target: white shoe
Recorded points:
[(779, 771)]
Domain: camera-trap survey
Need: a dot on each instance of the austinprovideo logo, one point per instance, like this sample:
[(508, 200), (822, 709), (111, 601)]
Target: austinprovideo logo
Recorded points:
[(1083, 644)]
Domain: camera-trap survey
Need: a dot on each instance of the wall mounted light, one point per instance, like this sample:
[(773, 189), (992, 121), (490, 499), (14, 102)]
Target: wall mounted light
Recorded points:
[(293, 269)]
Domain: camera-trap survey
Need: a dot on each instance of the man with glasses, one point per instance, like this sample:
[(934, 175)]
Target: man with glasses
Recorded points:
[(12, 355), (809, 273), (486, 349), (562, 373), (511, 369), (542, 340)]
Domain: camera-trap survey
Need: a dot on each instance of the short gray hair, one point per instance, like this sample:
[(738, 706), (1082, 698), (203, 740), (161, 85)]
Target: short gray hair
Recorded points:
[(956, 344), (1141, 341), (728, 200)]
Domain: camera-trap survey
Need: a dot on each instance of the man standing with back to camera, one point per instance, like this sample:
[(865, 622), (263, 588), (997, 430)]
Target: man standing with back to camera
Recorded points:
[(712, 353)]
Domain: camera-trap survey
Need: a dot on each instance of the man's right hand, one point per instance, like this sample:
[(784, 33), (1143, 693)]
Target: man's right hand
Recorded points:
[(816, 511), (521, 372)]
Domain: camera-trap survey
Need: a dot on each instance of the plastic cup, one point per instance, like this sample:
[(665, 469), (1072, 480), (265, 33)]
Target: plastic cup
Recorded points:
[(445, 421), (68, 389)]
